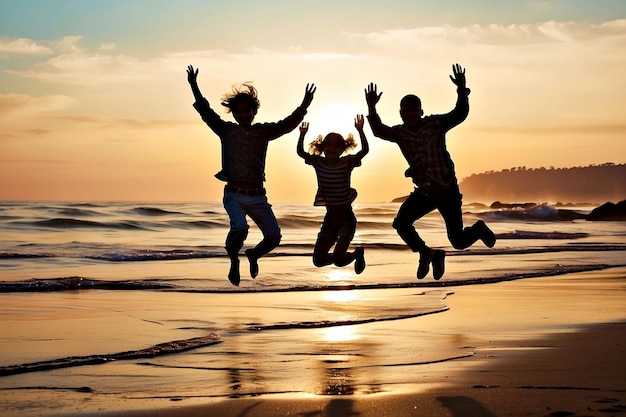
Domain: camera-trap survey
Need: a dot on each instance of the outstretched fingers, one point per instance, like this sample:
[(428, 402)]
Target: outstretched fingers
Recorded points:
[(458, 76), (308, 94), (371, 94), (359, 121), (192, 74)]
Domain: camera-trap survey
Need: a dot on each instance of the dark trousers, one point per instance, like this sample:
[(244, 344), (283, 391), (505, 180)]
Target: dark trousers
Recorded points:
[(338, 230), (448, 202)]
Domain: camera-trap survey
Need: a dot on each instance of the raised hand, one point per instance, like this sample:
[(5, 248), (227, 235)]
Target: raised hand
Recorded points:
[(304, 127), (359, 121), (371, 95), (308, 95), (458, 77), (192, 75)]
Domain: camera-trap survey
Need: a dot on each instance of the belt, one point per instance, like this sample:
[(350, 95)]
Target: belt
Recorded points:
[(250, 192)]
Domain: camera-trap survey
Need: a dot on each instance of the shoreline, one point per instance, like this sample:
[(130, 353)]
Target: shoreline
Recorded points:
[(542, 347)]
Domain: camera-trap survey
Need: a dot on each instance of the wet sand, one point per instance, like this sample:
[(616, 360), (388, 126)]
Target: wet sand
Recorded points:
[(553, 346)]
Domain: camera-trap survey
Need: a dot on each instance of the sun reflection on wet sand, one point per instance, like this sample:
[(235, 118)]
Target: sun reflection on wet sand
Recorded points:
[(339, 334), (336, 276)]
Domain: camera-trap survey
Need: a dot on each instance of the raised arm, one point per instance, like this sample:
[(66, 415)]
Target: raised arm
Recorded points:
[(308, 96), (372, 96), (461, 109), (192, 78), (293, 120), (458, 77), (202, 106), (359, 121), (304, 127)]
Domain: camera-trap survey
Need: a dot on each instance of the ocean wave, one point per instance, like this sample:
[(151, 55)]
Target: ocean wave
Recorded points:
[(13, 255), (154, 211), (76, 212), (156, 255), (166, 348), (111, 254), (299, 222), (376, 211), (77, 283), (523, 234), (68, 223), (72, 223), (196, 224), (542, 212), (81, 283), (337, 323)]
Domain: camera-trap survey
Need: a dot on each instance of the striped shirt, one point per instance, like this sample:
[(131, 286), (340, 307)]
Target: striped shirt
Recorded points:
[(333, 182)]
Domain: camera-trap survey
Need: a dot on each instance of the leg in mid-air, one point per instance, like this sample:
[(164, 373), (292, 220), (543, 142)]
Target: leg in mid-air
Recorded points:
[(260, 211), (236, 235), (416, 206)]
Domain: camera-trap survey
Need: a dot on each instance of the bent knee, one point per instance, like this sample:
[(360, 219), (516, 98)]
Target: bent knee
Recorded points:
[(240, 233), (401, 225), (458, 243), (273, 239), (319, 262)]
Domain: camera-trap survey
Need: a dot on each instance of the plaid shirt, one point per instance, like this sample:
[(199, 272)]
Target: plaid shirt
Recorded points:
[(244, 149), (425, 150)]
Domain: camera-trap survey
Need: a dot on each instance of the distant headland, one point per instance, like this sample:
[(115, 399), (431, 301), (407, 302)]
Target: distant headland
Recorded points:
[(594, 184)]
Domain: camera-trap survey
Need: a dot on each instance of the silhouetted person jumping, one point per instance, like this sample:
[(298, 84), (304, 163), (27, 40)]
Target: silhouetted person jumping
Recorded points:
[(333, 173), (244, 148), (423, 144)]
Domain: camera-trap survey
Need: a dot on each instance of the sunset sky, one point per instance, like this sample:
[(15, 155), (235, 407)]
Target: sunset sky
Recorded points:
[(95, 105)]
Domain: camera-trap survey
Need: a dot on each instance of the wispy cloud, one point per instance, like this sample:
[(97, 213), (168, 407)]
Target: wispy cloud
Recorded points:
[(12, 104), (22, 46), (495, 34), (587, 129)]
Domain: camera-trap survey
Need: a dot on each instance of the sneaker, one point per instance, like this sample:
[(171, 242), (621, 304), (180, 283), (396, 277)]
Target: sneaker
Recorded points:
[(359, 260), (486, 235), (439, 264), (424, 263), (254, 264), (233, 274)]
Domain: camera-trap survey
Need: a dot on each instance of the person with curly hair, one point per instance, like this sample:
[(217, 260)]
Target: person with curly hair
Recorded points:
[(333, 171), (244, 150)]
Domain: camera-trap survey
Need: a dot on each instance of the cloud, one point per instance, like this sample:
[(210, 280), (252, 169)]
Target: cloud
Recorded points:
[(10, 104), (588, 129), (22, 46), (107, 46), (494, 34)]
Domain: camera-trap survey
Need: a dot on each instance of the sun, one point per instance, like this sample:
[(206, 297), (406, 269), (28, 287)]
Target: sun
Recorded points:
[(334, 117)]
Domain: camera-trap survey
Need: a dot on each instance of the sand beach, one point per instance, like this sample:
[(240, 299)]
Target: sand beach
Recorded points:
[(546, 347)]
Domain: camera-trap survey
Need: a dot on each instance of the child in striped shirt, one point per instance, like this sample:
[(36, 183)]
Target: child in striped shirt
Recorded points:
[(333, 172)]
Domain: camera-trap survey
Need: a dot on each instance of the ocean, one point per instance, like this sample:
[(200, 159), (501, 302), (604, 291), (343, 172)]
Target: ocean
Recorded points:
[(131, 300)]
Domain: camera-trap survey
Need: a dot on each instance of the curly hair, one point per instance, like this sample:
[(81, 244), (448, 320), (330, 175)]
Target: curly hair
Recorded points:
[(241, 93), (317, 146)]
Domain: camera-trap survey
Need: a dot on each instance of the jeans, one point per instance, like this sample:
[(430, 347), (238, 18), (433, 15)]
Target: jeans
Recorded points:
[(448, 202), (260, 211)]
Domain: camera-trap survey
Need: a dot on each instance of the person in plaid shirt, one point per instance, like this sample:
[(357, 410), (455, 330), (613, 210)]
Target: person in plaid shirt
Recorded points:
[(244, 150), (422, 141)]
